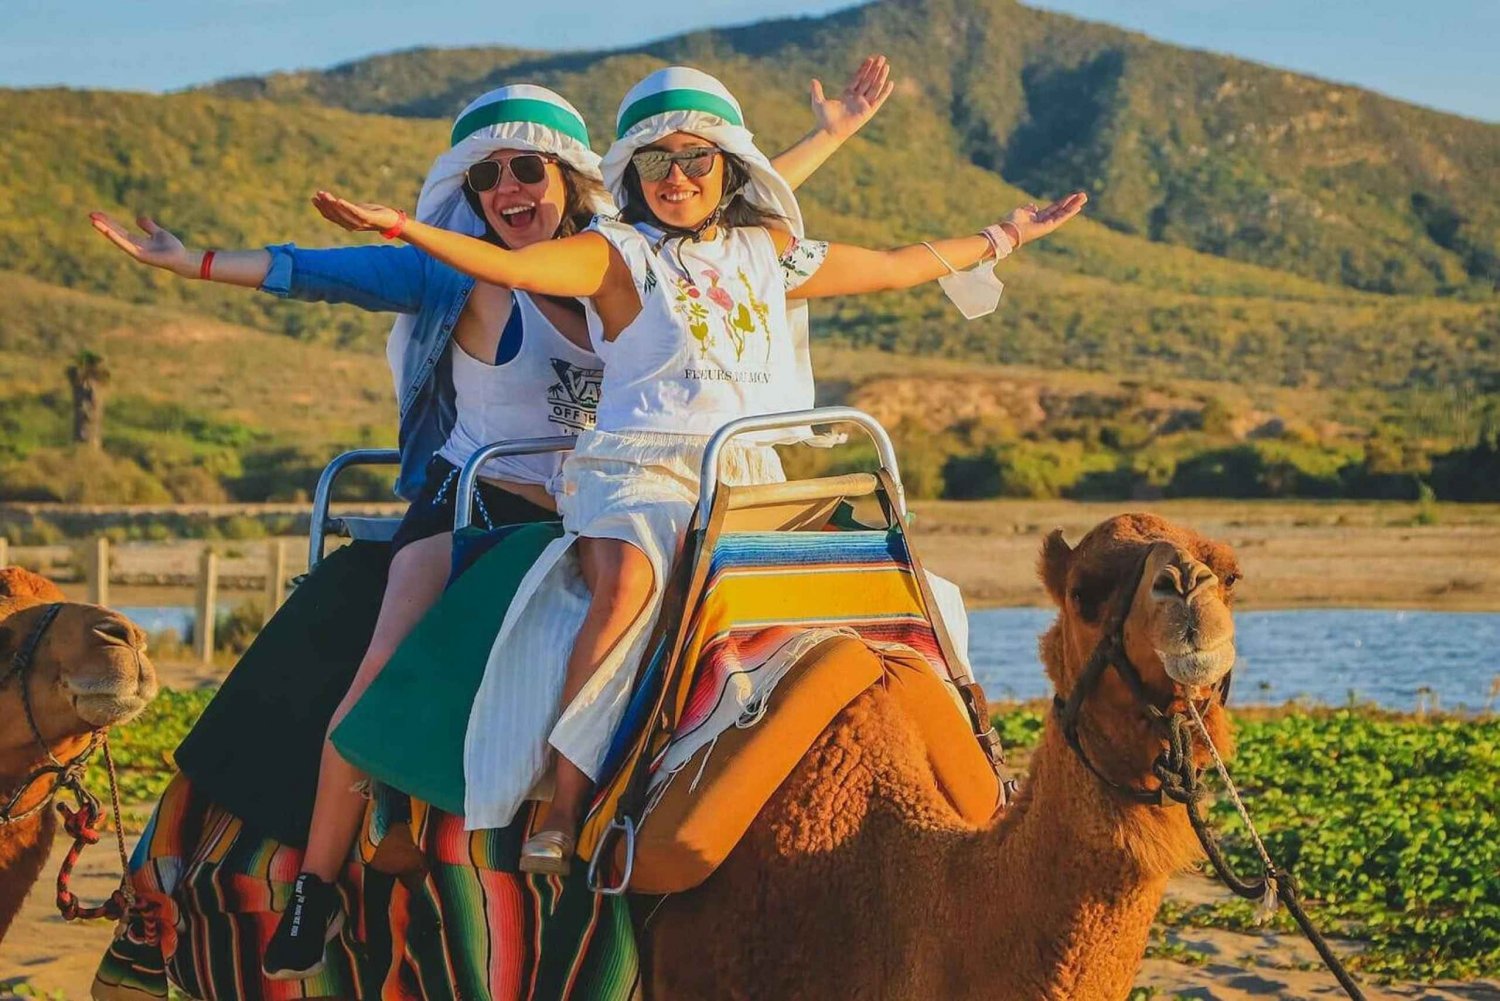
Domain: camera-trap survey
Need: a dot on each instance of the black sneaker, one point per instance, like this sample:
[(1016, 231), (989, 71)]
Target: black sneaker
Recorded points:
[(312, 920)]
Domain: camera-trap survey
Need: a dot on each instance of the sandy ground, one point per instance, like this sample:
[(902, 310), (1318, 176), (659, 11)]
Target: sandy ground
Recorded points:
[(1295, 554), (55, 959)]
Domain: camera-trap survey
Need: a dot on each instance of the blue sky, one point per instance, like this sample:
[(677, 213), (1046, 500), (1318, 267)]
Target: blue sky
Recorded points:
[(1441, 53)]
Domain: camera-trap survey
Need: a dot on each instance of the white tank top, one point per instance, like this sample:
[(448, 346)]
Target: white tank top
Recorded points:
[(711, 342), (550, 387)]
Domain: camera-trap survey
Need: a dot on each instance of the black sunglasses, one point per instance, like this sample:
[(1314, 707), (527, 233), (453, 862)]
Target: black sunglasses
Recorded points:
[(528, 168), (655, 164)]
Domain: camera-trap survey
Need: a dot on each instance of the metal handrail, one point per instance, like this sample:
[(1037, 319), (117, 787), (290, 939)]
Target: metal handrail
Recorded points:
[(468, 478), (324, 492), (708, 480)]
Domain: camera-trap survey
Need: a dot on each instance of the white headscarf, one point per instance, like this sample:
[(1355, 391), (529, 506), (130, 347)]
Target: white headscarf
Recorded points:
[(682, 99), (521, 117)]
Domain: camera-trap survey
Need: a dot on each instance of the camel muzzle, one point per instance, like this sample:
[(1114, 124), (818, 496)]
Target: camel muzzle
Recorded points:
[(1199, 668), (1191, 631), (114, 691)]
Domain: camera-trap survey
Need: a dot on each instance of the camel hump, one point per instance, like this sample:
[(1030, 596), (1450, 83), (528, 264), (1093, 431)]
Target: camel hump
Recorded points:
[(18, 582)]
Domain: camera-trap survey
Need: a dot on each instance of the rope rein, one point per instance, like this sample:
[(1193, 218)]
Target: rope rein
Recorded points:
[(1267, 908)]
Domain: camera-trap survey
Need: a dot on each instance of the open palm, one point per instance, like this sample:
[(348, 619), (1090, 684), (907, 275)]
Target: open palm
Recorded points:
[(355, 216), (867, 90), (1033, 223), (157, 247)]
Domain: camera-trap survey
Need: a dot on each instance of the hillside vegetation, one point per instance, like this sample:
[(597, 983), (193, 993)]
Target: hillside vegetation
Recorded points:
[(1275, 273), (1186, 147)]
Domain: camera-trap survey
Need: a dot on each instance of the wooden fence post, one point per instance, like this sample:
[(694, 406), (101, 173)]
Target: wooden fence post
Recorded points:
[(4, 551), (96, 569), (275, 576), (207, 606)]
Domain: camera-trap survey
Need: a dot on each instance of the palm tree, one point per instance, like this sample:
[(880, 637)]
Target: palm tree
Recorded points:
[(88, 377)]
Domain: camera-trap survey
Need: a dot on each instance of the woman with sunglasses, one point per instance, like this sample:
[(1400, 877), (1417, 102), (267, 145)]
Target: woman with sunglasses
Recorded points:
[(473, 363), (693, 302)]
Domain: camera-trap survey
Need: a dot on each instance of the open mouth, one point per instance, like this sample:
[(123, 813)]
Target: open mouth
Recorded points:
[(518, 216), (677, 197)]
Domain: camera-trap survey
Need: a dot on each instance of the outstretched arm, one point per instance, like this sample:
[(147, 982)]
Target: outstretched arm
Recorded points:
[(161, 249), (851, 270), (836, 119), (380, 279), (574, 266)]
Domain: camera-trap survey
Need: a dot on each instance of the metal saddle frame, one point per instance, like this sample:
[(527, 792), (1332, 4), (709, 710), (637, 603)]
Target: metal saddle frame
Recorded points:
[(789, 506)]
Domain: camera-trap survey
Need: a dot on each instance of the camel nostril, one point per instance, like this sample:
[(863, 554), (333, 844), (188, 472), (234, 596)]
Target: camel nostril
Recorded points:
[(117, 630), (1200, 577), (1168, 584)]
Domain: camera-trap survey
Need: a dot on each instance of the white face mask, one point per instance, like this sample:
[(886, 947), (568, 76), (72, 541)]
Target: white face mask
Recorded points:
[(975, 292)]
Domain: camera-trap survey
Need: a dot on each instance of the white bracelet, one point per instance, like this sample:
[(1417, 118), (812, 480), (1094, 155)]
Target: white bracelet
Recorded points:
[(1000, 241)]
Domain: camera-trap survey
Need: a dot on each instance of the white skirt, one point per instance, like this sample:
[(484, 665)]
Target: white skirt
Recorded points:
[(637, 487)]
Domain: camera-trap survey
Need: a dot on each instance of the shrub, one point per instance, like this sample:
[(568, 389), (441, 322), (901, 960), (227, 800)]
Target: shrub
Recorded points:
[(79, 476), (237, 628)]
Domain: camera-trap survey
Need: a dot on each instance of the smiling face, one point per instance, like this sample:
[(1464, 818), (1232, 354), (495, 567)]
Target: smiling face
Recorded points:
[(523, 214), (678, 200)]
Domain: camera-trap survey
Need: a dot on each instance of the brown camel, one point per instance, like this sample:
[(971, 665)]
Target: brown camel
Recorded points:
[(859, 880), (89, 671)]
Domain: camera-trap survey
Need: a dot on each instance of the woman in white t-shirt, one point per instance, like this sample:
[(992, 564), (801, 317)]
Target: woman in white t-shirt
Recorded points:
[(692, 302)]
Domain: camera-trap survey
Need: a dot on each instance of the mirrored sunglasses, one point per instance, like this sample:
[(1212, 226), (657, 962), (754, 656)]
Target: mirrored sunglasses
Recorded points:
[(655, 164)]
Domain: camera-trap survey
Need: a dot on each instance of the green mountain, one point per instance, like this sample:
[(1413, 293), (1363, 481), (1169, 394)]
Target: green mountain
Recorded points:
[(1183, 147), (1247, 226)]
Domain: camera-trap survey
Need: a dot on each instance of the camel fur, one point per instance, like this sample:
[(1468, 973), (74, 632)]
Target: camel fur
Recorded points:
[(857, 880), (90, 671)]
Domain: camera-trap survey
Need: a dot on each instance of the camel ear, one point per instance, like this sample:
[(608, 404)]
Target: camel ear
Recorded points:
[(1052, 567)]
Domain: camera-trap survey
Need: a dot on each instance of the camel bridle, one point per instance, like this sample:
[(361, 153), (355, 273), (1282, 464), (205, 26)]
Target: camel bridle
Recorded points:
[(81, 821), (65, 774), (1178, 775), (1175, 763)]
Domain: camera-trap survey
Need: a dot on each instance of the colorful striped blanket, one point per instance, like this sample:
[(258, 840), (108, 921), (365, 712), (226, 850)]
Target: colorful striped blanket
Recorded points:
[(769, 598), (465, 926)]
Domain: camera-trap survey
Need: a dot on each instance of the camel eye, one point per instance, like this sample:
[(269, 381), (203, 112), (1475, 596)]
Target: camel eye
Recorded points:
[(1231, 579), (1087, 600)]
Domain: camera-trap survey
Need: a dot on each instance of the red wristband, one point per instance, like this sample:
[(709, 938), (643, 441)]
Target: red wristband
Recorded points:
[(395, 231), (205, 266)]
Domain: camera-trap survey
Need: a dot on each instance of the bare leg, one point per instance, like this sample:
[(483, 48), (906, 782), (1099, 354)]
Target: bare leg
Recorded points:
[(416, 580), (620, 577)]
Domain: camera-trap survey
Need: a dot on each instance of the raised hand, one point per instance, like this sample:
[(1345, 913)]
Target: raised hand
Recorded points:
[(866, 91), (1032, 223), (355, 217), (158, 247)]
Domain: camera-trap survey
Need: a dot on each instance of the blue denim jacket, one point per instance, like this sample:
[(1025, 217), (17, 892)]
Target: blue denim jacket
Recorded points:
[(391, 279)]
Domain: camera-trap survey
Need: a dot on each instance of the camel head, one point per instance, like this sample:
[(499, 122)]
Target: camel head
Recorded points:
[(89, 670), (1178, 630)]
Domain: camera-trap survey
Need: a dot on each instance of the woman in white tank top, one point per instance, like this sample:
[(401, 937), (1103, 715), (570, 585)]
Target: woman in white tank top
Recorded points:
[(535, 382), (694, 305)]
